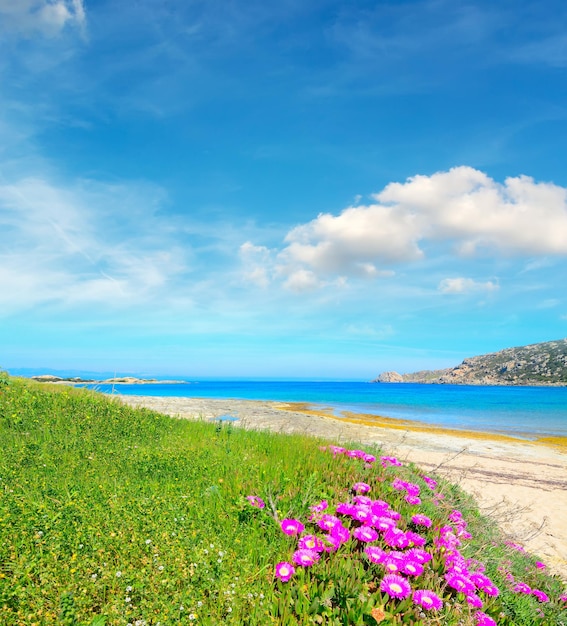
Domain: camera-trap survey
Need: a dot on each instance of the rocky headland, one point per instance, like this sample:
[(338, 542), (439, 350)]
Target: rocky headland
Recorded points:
[(535, 364)]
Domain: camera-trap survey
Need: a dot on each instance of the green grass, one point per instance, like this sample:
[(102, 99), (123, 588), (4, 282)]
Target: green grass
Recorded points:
[(114, 515)]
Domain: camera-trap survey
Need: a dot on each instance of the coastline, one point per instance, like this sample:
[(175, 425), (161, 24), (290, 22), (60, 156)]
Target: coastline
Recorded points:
[(521, 484)]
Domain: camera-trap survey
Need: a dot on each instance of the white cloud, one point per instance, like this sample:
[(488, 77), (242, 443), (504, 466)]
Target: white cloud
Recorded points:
[(462, 208), (302, 280), (46, 17), (92, 243), (465, 285)]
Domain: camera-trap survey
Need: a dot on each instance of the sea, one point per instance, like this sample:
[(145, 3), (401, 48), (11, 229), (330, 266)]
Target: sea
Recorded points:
[(525, 412)]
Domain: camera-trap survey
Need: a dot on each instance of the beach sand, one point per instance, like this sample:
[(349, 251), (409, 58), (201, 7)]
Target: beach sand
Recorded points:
[(521, 484)]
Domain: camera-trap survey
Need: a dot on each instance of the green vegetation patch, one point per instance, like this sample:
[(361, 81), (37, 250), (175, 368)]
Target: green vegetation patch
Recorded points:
[(114, 515)]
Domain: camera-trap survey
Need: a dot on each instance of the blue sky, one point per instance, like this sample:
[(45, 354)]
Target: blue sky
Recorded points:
[(321, 189)]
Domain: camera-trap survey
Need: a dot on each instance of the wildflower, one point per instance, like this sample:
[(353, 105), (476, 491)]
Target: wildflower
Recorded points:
[(459, 583), (361, 487), (482, 619), (369, 458), (384, 524), (118, 574), (374, 554), (414, 539), (522, 588), (284, 571), (399, 485), (474, 601), (256, 502), (386, 461), (328, 522), (311, 542), (421, 520), (337, 450), (148, 541), (393, 562), (292, 526), (421, 556), (455, 516), (413, 500), (341, 533), (413, 489), (305, 557), (331, 543), (540, 595), (563, 597), (395, 586), (365, 533), (412, 568), (363, 513), (427, 599), (540, 565), (429, 482), (364, 500), (317, 508), (396, 538), (344, 508)]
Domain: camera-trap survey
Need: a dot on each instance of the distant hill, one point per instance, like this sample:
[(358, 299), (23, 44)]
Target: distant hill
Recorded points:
[(536, 364)]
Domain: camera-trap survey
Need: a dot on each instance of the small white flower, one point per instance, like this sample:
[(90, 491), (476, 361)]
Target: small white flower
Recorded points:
[(129, 588), (127, 599), (94, 576), (181, 608), (160, 568), (118, 574), (199, 604), (212, 546), (81, 546), (192, 616), (148, 541)]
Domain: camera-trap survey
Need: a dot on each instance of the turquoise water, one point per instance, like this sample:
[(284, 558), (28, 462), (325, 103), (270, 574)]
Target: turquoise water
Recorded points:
[(524, 411)]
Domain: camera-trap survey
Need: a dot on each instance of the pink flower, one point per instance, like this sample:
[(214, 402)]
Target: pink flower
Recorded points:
[(460, 583), (427, 599), (413, 489), (522, 588), (328, 522), (365, 534), (421, 520), (421, 556), (563, 597), (284, 571), (430, 482), (540, 565), (396, 538), (395, 586), (369, 458), (393, 562), (389, 460), (384, 524), (474, 601), (415, 539), (540, 595), (256, 501), (413, 500), (292, 526), (364, 500), (412, 568), (317, 508), (337, 450), (361, 487), (341, 533), (482, 619), (311, 542), (331, 543), (374, 554), (305, 557)]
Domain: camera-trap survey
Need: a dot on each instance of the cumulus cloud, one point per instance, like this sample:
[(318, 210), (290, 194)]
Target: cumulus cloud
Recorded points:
[(45, 17), (466, 285), (462, 209)]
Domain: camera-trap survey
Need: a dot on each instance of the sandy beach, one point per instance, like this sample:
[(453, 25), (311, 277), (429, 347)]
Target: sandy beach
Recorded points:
[(521, 484)]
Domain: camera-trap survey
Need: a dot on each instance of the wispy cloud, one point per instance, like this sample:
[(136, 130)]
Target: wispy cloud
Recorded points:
[(89, 242), (47, 18), (466, 285)]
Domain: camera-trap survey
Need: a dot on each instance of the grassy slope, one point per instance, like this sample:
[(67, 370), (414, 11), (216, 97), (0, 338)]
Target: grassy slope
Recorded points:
[(116, 515)]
